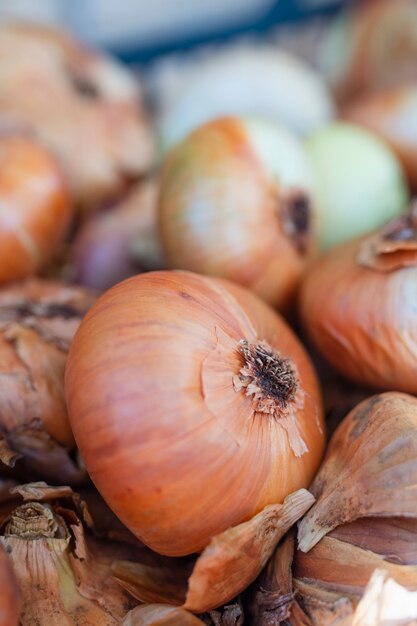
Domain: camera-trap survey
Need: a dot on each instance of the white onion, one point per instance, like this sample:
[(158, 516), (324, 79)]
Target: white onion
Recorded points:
[(361, 184), (262, 81)]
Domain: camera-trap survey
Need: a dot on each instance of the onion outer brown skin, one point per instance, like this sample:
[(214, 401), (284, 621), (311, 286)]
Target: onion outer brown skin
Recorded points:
[(221, 209), (392, 114), (9, 596), (362, 320), (35, 207), (175, 451)]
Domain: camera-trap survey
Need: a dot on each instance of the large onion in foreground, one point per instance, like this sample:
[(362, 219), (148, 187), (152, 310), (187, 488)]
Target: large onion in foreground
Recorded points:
[(194, 406)]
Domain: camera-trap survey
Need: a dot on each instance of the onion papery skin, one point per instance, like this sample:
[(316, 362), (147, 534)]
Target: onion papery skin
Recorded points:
[(35, 208), (176, 451), (237, 202), (363, 320), (392, 114)]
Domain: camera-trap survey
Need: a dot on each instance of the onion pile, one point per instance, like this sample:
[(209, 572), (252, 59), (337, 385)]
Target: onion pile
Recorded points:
[(179, 402)]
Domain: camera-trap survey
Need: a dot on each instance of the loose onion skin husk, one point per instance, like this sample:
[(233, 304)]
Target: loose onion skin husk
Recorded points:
[(97, 125), (38, 319), (9, 596), (237, 202), (357, 303), (33, 190), (161, 414), (392, 114)]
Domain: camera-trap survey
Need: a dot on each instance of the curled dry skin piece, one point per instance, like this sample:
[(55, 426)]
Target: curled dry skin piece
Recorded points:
[(35, 207), (63, 572), (237, 202), (229, 563), (225, 420), (358, 305), (97, 124), (365, 516), (119, 242), (37, 322)]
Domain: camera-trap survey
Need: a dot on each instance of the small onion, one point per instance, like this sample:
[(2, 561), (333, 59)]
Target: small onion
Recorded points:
[(236, 202), (358, 304), (256, 80), (35, 208), (360, 182), (193, 405), (392, 114)]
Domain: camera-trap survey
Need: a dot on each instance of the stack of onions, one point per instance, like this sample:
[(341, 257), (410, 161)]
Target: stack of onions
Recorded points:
[(194, 406), (237, 202)]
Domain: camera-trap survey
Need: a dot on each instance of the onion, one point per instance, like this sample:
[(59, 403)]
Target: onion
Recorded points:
[(193, 405), (35, 209), (37, 322), (360, 182), (261, 81), (82, 105), (237, 202), (372, 45), (392, 114), (358, 305)]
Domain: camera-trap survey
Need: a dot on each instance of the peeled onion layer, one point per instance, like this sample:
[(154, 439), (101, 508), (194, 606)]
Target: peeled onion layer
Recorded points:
[(9, 596), (176, 447), (237, 201), (229, 563), (360, 182)]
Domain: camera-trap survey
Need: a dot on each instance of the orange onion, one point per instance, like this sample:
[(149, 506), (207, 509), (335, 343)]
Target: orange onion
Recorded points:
[(372, 45), (193, 405), (358, 304), (392, 114), (81, 104), (237, 202), (35, 209)]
